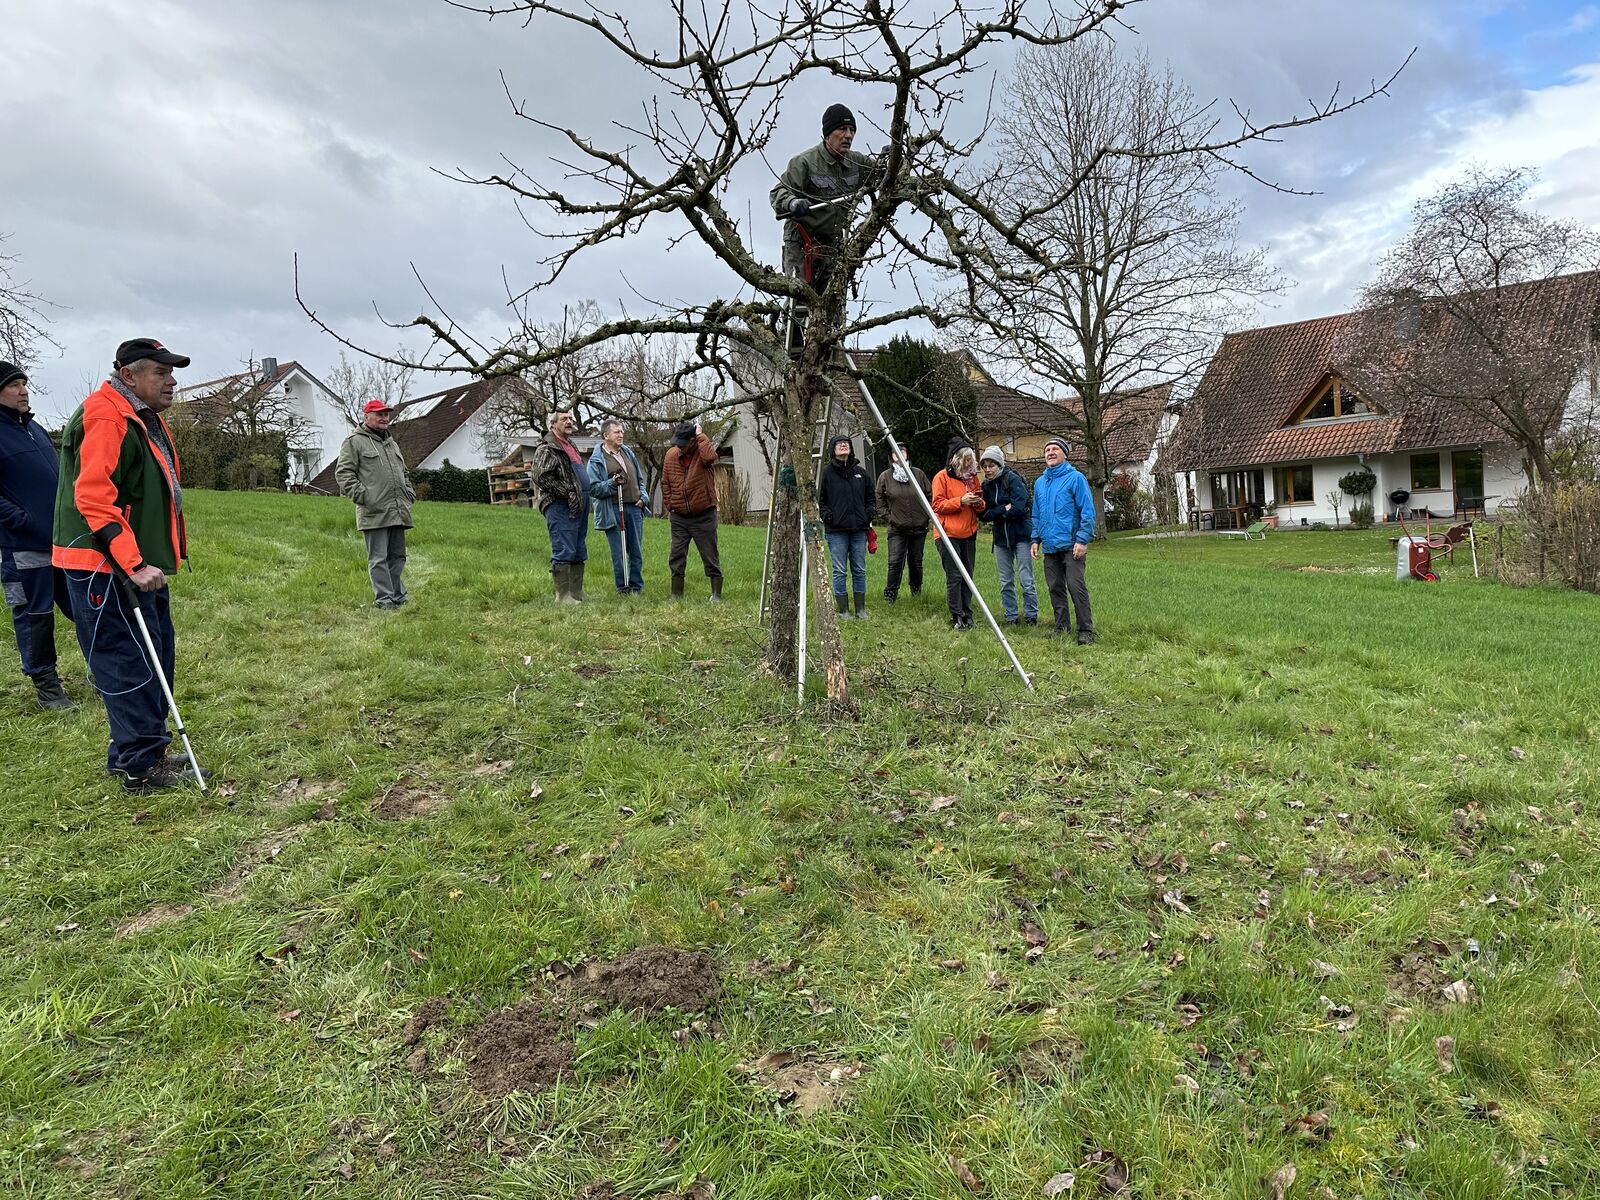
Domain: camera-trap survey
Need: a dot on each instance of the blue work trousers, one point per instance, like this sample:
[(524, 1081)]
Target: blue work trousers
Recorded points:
[(123, 673)]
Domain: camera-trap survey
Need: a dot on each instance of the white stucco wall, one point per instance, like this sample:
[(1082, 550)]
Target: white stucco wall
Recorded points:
[(464, 448)]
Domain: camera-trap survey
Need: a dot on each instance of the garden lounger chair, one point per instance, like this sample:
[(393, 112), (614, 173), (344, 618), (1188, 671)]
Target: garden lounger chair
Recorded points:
[(1256, 532)]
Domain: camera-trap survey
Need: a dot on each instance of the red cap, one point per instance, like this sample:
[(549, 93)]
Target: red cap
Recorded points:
[(377, 406)]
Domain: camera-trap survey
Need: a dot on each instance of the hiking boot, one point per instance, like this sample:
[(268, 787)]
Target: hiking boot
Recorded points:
[(49, 693), (861, 606), (677, 587), (1086, 637), (167, 761), (165, 774)]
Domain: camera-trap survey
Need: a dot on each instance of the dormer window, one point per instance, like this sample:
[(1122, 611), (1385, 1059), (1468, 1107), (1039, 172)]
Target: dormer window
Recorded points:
[(1331, 400)]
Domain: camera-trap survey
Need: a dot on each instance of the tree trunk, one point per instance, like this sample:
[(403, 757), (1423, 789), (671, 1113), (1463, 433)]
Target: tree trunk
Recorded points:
[(798, 424)]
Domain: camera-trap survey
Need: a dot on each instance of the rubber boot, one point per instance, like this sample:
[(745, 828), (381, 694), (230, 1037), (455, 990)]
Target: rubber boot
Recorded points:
[(561, 573), (716, 590), (861, 606), (677, 587), (52, 697), (841, 603), (575, 581)]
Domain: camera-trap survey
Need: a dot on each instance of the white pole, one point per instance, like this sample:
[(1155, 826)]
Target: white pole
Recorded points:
[(1473, 538), (161, 678), (805, 579), (894, 449)]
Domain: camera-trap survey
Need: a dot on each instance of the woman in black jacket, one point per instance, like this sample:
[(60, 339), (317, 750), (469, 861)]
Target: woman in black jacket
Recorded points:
[(845, 498)]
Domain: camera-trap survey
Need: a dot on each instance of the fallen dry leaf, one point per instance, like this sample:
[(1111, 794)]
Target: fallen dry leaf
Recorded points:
[(1282, 1179), (1114, 1180), (940, 802), (1057, 1184), (964, 1174), (1173, 898), (996, 980), (1312, 1125), (952, 964), (1445, 1049), (770, 1061), (1459, 992), (1186, 1083), (1033, 935), (494, 768)]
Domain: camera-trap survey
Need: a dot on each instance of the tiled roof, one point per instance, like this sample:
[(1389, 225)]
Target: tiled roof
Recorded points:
[(216, 397), (418, 437), (1258, 377)]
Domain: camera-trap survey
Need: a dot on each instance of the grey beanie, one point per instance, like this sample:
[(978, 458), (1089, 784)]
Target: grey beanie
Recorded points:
[(995, 455), (1065, 452)]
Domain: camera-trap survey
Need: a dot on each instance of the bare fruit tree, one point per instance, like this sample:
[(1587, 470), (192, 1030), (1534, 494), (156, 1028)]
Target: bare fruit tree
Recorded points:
[(23, 319), (716, 79), (355, 381), (1144, 271), (1471, 312)]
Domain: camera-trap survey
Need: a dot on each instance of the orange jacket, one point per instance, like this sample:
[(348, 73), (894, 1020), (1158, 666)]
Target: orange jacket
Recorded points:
[(116, 493), (955, 518)]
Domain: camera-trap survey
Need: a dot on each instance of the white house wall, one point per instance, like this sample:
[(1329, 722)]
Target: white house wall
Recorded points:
[(323, 424), (464, 447)]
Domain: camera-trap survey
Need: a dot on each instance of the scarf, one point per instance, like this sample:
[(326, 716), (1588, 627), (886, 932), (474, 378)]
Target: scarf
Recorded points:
[(900, 473)]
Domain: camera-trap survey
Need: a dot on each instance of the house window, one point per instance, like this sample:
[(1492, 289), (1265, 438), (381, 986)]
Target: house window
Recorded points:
[(1425, 472), (1333, 399), (1292, 485)]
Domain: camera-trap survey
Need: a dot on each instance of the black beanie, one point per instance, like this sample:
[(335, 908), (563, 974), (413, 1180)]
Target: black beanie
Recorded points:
[(10, 372), (835, 116), (683, 434)]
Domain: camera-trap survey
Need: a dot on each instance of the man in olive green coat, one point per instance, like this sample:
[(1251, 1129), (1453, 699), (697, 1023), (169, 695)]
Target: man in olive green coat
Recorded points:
[(829, 171), (372, 472)]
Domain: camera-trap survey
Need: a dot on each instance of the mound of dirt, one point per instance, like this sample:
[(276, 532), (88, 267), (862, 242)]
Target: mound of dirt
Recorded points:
[(406, 800), (652, 979), (516, 1050)]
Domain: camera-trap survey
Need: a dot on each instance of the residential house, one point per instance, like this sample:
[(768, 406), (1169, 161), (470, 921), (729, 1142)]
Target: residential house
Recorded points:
[(450, 426), (1279, 418), (285, 395)]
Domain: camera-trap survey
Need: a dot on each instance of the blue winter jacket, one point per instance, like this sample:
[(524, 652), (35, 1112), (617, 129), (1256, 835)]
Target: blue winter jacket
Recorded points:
[(603, 492), (29, 472), (1005, 505), (1063, 509)]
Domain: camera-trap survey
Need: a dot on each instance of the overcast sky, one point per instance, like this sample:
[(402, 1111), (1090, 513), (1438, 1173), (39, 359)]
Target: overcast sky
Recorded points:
[(166, 159)]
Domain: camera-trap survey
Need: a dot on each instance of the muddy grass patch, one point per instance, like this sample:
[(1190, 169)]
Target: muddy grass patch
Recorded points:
[(154, 918), (652, 979), (516, 1050), (408, 798), (805, 1086), (252, 856), (297, 791)]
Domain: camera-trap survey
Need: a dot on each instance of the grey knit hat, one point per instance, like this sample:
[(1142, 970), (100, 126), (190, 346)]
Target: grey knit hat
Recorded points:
[(995, 455), (1065, 452)]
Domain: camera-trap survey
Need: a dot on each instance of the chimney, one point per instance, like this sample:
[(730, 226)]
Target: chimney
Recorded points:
[(269, 370)]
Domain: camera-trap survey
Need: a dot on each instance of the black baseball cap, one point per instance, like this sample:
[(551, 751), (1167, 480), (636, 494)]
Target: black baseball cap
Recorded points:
[(135, 349)]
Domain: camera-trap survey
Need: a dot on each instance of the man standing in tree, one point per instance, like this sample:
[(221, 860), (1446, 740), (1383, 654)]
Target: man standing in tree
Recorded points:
[(372, 472), (563, 483), (28, 476), (826, 172)]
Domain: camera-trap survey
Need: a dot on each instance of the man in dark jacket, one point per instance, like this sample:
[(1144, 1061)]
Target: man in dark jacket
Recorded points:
[(119, 511), (1005, 506), (689, 491), (828, 172), (907, 519), (563, 483), (29, 473), (372, 472), (845, 499)]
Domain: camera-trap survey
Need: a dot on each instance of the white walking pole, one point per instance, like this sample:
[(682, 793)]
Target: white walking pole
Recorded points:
[(126, 586), (805, 581), (622, 528)]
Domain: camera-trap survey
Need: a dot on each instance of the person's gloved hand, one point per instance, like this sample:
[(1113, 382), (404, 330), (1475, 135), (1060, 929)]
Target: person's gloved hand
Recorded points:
[(799, 207), (872, 540)]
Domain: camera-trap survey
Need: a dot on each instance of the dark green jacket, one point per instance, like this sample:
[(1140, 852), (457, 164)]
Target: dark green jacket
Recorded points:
[(115, 498), (372, 472), (816, 175)]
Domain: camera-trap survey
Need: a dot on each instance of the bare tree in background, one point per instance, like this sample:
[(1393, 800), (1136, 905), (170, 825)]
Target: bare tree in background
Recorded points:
[(1144, 273), (22, 314), (355, 381), (715, 83), (1469, 312)]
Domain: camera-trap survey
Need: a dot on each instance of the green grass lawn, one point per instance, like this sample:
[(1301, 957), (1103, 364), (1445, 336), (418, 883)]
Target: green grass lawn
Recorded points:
[(1207, 900)]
